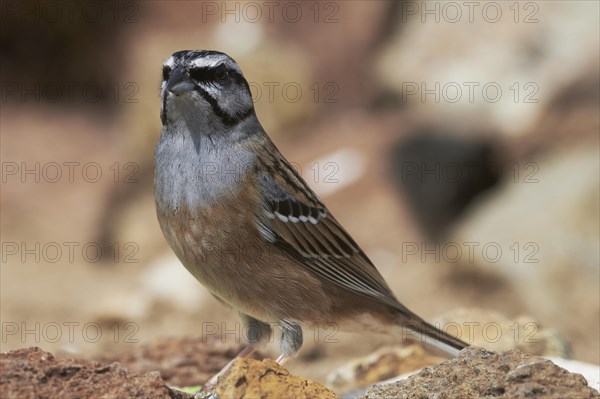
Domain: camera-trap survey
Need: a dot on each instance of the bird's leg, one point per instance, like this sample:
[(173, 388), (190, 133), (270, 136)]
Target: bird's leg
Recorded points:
[(291, 341)]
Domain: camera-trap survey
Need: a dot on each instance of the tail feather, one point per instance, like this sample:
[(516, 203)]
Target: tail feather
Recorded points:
[(430, 335)]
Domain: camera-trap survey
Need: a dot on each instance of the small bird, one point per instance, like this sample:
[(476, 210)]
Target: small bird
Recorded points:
[(243, 221)]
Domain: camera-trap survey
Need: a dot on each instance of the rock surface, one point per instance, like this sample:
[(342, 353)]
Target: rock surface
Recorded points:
[(478, 373), (248, 378), (478, 327), (386, 363), (33, 373)]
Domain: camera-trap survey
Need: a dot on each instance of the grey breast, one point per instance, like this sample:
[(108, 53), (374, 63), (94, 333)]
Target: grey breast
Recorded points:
[(193, 173)]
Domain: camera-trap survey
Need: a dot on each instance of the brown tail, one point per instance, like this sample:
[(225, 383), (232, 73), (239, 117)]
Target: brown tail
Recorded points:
[(421, 331)]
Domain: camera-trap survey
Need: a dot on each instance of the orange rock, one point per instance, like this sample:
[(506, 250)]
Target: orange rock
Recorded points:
[(249, 378)]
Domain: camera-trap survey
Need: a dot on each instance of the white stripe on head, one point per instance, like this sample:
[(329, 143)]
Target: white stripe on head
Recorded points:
[(170, 62), (208, 61), (213, 60), (210, 89)]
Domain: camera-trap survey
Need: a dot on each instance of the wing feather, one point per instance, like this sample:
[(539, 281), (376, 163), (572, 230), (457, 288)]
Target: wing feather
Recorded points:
[(306, 230)]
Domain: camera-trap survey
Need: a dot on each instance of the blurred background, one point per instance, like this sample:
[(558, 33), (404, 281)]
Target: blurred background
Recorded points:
[(457, 142)]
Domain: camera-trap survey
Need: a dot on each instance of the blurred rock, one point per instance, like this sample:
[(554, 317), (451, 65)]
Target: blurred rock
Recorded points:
[(167, 272), (441, 173), (478, 373), (33, 373), (541, 234), (384, 364), (153, 293), (493, 331), (524, 57), (249, 378), (282, 91), (181, 362), (571, 117), (77, 52), (323, 36)]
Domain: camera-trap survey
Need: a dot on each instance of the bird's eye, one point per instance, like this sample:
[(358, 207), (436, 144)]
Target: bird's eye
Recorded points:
[(166, 72), (221, 72)]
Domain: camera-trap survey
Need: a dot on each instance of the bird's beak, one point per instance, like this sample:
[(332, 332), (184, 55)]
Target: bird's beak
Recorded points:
[(179, 82)]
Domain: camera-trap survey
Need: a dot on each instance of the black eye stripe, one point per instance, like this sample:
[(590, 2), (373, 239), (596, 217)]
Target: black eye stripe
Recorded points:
[(226, 119), (213, 74), (166, 72), (202, 74)]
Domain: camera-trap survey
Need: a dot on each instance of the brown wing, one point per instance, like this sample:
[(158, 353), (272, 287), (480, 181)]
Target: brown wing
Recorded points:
[(294, 219)]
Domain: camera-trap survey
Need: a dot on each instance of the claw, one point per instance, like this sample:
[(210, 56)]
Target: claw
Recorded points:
[(282, 359)]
